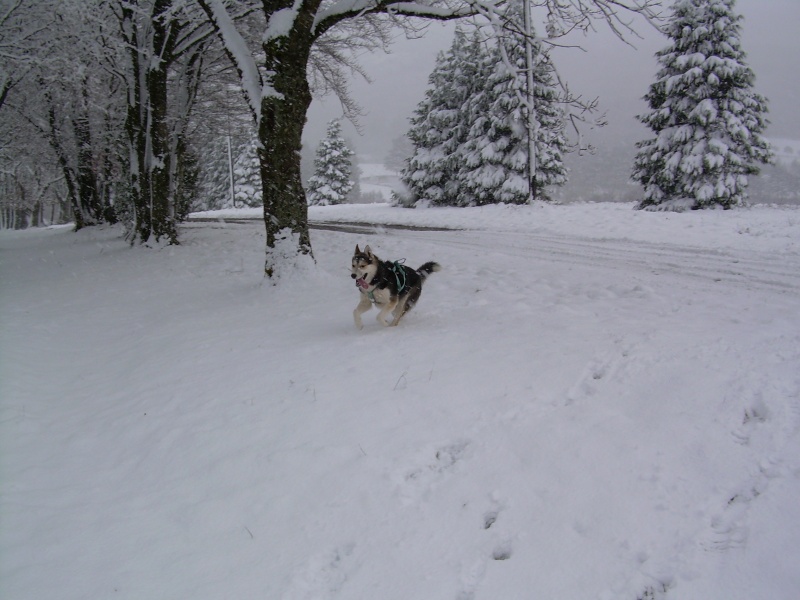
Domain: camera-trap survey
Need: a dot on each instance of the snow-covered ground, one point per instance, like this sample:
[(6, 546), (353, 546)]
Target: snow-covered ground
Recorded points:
[(587, 402)]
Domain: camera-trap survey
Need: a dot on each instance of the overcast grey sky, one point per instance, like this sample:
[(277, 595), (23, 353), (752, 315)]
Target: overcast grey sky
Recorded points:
[(610, 69)]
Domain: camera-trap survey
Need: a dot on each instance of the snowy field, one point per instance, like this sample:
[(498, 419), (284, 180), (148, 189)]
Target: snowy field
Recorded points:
[(589, 402)]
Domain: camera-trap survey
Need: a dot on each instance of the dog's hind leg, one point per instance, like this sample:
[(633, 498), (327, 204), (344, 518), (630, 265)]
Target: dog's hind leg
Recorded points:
[(406, 304), (402, 308), (385, 310), (363, 306)]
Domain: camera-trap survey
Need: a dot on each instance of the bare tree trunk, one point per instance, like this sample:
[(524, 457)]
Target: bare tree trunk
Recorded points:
[(279, 106), (532, 119), (183, 169), (159, 155), (134, 128), (63, 163), (146, 122), (160, 98), (36, 214), (86, 178), (283, 116)]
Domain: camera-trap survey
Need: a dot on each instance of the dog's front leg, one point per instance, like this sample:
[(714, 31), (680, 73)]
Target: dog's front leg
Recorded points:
[(363, 306)]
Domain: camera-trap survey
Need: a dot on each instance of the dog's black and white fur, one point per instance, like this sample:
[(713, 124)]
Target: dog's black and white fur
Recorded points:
[(392, 287)]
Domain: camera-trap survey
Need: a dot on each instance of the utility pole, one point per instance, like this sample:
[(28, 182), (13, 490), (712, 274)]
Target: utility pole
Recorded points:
[(230, 171), (533, 121)]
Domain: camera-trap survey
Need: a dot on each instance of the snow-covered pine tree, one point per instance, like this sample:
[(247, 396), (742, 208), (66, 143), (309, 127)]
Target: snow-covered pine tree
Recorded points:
[(439, 127), (247, 176), (551, 140), (331, 181), (214, 181), (494, 165), (706, 118), (214, 184)]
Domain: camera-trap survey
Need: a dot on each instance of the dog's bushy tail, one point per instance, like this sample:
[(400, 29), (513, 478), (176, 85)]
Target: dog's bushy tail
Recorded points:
[(428, 268)]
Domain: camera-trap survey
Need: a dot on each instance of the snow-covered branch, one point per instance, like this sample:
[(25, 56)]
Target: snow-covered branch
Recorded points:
[(566, 16), (334, 13), (239, 53)]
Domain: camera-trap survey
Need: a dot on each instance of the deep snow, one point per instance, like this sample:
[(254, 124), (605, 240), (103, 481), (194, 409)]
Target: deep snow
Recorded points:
[(587, 402)]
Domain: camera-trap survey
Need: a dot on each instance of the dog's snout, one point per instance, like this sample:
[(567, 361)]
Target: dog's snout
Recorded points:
[(353, 275)]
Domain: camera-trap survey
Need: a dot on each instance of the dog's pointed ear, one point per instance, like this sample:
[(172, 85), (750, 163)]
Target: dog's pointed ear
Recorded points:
[(358, 251), (368, 251)]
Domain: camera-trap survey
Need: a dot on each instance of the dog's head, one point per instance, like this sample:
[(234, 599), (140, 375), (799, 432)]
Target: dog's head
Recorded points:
[(363, 267)]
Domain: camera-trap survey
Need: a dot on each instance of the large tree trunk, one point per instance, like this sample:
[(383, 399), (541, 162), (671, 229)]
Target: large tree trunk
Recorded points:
[(285, 207), (69, 176), (86, 178), (146, 122), (279, 102), (183, 163), (138, 181), (158, 159), (159, 155), (283, 117)]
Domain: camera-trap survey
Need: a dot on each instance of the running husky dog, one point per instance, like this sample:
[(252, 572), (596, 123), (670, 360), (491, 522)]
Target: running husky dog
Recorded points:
[(389, 285)]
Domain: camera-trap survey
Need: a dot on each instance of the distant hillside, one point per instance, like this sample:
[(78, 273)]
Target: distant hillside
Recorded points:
[(787, 152), (604, 176)]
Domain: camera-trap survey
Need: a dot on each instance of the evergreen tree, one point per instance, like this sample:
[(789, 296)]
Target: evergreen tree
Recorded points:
[(214, 184), (706, 118), (247, 176), (439, 128), (495, 166), (551, 140), (470, 133), (331, 181)]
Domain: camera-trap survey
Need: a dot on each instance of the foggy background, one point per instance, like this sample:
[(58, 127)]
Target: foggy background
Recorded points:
[(618, 73)]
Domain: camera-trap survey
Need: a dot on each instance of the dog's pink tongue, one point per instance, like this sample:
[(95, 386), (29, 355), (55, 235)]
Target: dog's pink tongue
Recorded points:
[(362, 283)]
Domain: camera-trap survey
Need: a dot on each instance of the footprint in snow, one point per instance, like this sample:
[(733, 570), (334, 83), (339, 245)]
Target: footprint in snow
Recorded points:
[(602, 368), (729, 526), (586, 386), (435, 465), (502, 551), (489, 519), (491, 547), (321, 576)]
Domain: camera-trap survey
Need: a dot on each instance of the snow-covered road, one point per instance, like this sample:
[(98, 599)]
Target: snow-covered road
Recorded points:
[(729, 267)]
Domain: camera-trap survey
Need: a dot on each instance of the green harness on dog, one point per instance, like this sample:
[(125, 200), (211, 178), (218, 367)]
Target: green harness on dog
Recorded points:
[(397, 269)]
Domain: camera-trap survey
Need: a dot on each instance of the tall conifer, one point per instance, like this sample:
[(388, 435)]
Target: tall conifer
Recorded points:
[(495, 158), (470, 133), (331, 181), (439, 126), (706, 118)]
